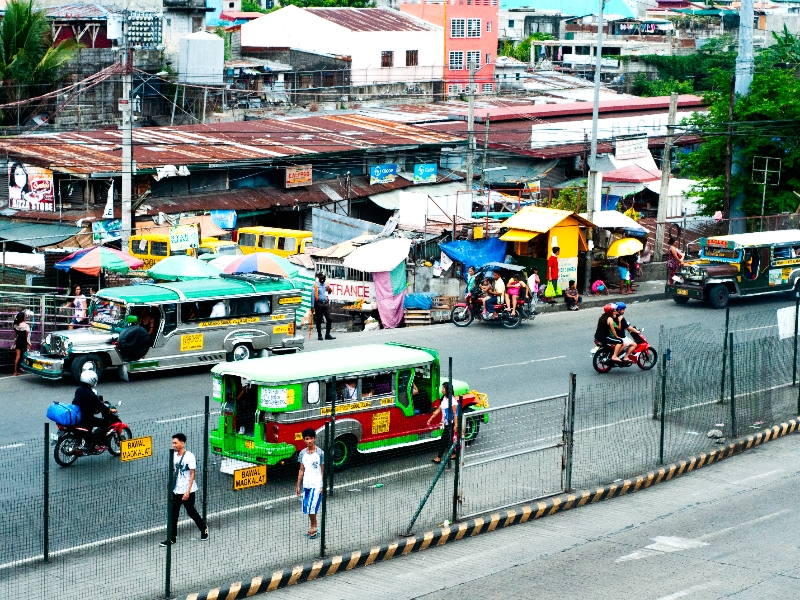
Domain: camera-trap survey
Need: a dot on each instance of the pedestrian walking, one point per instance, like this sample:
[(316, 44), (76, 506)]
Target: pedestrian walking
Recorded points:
[(449, 414), (22, 339), (312, 468), (322, 307), (185, 466)]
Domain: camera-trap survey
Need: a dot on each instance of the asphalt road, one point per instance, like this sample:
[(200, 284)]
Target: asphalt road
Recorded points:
[(721, 532), (531, 361)]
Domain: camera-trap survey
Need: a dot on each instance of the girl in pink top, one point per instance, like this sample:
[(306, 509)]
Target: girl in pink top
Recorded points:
[(512, 293)]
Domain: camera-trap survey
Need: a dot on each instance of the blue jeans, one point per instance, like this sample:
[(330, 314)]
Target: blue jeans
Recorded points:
[(490, 302)]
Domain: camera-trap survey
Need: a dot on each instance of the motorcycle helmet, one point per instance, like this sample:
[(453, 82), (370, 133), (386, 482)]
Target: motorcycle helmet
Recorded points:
[(609, 308), (89, 377), (621, 306)]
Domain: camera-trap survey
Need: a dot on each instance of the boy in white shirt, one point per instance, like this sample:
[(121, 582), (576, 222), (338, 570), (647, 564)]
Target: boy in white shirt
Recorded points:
[(312, 465), (185, 466)]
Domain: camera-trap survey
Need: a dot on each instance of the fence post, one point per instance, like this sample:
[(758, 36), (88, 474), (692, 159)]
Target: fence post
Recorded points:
[(794, 360), (325, 476), (42, 315), (569, 433), (205, 460), (332, 438), (46, 495), (458, 425), (664, 359), (733, 391), (170, 533), (655, 397), (724, 354)]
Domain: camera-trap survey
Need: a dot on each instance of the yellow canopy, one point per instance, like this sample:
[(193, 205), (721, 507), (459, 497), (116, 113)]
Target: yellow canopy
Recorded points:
[(540, 219), (517, 235), (624, 247)]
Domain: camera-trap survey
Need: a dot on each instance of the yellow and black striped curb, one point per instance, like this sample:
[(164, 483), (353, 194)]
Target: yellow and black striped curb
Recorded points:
[(457, 531)]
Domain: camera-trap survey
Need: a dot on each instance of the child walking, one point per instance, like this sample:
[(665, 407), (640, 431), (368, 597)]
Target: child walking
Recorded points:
[(312, 465)]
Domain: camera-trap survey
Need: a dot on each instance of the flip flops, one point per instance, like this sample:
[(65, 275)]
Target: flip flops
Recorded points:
[(311, 536)]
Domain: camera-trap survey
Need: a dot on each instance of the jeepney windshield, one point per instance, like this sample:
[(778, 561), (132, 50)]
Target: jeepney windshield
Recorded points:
[(229, 250), (720, 253), (107, 313)]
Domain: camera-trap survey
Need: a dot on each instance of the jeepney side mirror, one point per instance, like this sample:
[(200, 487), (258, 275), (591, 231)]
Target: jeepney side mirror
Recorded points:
[(131, 320)]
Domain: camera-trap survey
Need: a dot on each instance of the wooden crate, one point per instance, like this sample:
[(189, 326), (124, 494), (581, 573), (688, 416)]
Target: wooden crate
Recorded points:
[(417, 318), (443, 302)]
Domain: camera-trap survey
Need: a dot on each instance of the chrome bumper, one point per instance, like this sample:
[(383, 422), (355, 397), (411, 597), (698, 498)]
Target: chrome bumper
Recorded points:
[(49, 367)]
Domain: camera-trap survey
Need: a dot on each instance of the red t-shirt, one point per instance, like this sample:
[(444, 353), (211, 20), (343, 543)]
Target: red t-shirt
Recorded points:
[(552, 268)]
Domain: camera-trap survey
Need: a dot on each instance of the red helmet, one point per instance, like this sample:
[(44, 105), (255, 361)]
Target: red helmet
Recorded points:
[(609, 308)]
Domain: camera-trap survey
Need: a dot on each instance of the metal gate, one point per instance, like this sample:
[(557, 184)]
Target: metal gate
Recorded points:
[(521, 453)]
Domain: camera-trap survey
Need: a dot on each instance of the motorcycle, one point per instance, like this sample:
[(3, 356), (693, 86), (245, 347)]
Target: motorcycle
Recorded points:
[(464, 313), (72, 437), (643, 355)]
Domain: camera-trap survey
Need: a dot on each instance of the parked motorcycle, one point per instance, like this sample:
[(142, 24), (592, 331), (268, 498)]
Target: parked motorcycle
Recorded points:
[(644, 355), (72, 437)]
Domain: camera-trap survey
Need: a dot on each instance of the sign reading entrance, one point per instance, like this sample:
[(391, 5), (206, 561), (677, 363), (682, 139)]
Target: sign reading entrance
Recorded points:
[(249, 477), (136, 448)]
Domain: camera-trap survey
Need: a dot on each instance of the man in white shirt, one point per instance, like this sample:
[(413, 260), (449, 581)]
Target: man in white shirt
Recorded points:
[(185, 466), (312, 468), (218, 310)]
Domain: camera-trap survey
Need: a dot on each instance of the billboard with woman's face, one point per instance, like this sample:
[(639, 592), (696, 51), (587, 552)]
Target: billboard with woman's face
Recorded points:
[(30, 188)]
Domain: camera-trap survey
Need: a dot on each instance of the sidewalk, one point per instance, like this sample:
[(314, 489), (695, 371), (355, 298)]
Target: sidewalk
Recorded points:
[(646, 291)]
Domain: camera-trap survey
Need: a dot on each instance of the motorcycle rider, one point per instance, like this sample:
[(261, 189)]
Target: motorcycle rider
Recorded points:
[(606, 332), (496, 295), (622, 327), (90, 404)]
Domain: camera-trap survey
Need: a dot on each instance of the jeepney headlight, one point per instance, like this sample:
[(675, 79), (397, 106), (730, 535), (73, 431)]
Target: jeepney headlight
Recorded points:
[(47, 339)]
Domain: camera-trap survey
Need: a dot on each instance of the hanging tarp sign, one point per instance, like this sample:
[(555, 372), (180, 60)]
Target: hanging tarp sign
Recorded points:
[(298, 176), (106, 231), (425, 173), (183, 237), (30, 188), (627, 147), (382, 174), (226, 219)]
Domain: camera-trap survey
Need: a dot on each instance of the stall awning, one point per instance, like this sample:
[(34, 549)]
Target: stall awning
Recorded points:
[(36, 235), (539, 219), (518, 235)]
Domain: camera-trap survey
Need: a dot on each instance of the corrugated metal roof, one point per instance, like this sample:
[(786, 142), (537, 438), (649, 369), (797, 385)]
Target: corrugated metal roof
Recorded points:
[(631, 174), (77, 12), (372, 19), (100, 151), (35, 235)]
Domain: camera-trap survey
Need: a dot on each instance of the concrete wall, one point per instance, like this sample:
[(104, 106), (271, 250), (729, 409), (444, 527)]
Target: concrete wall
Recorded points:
[(775, 22)]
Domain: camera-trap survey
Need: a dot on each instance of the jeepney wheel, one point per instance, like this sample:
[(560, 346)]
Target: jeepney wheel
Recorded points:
[(240, 352), (472, 425), (344, 451), (719, 296), (77, 365), (680, 299)]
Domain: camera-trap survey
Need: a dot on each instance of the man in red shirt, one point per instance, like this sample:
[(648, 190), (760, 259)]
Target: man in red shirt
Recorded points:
[(552, 270)]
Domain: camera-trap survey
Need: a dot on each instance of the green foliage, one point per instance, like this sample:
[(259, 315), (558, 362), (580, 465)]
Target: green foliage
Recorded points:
[(702, 68), (642, 86), (522, 51), (785, 50), (251, 6), (220, 31), (329, 3), (573, 199), (29, 65)]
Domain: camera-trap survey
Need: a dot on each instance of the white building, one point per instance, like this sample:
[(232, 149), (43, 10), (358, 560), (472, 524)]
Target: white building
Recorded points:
[(510, 73), (385, 46)]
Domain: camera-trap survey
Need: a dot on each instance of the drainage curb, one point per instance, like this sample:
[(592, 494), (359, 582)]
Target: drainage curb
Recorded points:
[(457, 531)]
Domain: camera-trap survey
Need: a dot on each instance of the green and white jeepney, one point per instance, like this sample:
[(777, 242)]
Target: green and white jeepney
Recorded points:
[(193, 323)]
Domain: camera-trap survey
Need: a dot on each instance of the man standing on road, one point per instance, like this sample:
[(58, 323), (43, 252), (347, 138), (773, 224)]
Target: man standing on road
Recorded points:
[(185, 466), (321, 306), (312, 466)]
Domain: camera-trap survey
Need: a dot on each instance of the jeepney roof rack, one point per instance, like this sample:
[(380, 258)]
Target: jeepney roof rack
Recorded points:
[(252, 277)]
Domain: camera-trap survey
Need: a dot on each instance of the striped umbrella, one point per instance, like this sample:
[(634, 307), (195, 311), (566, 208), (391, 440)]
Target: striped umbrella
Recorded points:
[(258, 262), (99, 258), (182, 268)]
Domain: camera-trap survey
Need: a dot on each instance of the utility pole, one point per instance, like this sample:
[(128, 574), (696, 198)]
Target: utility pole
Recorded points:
[(483, 160), (744, 77), (127, 136), (471, 127), (726, 202), (595, 182), (666, 167)]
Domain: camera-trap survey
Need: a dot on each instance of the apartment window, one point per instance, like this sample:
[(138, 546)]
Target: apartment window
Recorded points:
[(412, 58), (457, 28), (473, 28), (488, 26), (456, 61), (511, 22), (487, 87), (454, 89), (474, 58), (488, 58), (197, 24), (387, 58)]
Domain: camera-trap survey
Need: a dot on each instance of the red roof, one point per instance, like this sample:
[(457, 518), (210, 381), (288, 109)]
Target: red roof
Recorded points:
[(632, 174), (371, 19), (571, 109), (238, 15)]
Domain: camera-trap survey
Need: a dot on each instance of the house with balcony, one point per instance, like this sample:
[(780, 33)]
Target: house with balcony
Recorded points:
[(516, 24), (471, 36)]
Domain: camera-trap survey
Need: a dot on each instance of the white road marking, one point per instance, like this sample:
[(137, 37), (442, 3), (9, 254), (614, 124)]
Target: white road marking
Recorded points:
[(745, 524), (687, 591), (527, 362), (663, 545), (759, 476), (186, 418), (11, 446)]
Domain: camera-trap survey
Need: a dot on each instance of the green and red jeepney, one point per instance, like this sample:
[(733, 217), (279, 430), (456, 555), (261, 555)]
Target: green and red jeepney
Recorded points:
[(267, 403)]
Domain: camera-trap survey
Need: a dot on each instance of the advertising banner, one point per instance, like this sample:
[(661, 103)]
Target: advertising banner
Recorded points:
[(183, 237), (382, 174), (343, 289), (30, 188), (425, 173), (226, 219), (298, 176), (106, 231)]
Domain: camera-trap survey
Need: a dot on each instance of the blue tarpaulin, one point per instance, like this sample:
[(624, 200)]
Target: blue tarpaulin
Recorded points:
[(421, 301), (475, 253)]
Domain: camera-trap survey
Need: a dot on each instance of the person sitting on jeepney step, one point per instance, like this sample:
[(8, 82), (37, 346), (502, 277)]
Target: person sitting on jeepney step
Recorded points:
[(146, 320)]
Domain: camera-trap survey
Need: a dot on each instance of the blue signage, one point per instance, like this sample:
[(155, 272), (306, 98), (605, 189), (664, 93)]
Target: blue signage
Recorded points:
[(225, 219), (382, 174), (425, 173)]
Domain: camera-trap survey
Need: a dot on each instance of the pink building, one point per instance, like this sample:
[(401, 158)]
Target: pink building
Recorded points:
[(470, 28)]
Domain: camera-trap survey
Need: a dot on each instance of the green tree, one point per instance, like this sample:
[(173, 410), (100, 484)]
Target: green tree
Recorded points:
[(571, 198), (642, 86), (29, 64), (252, 6), (523, 50), (702, 67)]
